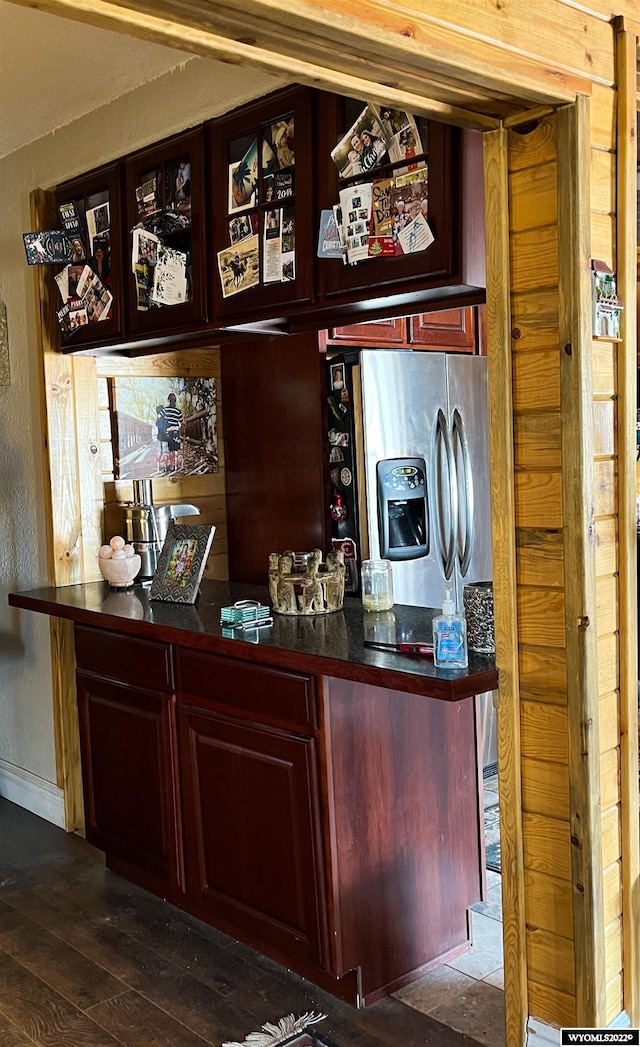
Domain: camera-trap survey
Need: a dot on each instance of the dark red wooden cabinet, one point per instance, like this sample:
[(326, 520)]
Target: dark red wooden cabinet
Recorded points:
[(159, 166), (333, 825), (278, 129), (447, 330), (441, 263), (251, 801), (252, 830), (128, 740), (99, 194)]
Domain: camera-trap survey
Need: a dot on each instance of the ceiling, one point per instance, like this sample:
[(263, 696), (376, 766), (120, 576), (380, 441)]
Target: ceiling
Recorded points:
[(54, 70)]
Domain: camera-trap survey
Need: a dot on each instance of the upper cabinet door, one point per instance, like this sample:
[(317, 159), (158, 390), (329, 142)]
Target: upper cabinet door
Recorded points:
[(167, 231), (90, 210), (422, 152), (262, 194), (453, 329)]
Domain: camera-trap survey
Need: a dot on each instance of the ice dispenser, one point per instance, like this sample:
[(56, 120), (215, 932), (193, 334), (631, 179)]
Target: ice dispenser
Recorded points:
[(146, 525), (403, 510)]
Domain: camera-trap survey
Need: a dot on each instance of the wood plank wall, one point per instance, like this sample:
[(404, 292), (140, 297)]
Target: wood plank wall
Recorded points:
[(206, 491), (606, 436), (556, 956)]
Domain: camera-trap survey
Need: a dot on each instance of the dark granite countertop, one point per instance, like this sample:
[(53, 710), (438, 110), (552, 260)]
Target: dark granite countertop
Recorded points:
[(328, 645)]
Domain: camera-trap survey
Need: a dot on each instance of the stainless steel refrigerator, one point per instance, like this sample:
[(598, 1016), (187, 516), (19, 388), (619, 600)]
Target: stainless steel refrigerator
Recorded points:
[(426, 469), (412, 430)]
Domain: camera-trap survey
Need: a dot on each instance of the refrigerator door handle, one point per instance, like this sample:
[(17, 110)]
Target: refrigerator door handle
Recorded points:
[(459, 436), (443, 436)]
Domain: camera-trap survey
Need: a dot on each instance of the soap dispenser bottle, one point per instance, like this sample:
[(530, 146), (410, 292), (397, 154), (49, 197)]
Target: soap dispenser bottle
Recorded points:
[(450, 636)]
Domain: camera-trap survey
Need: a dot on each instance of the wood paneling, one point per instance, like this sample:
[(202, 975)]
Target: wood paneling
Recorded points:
[(545, 789), (540, 558), (602, 169), (559, 1007), (607, 604), (612, 892), (603, 116), (611, 842), (498, 314), (541, 617), (543, 674), (544, 732), (549, 904), (537, 441), (610, 778), (550, 960), (539, 499), (604, 356), (609, 721), (532, 197), (606, 545), (547, 845), (626, 193), (534, 316), (604, 427), (536, 253), (536, 380)]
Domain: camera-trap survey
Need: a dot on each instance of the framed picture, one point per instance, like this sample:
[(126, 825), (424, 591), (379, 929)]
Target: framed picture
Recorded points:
[(163, 426), (181, 563)]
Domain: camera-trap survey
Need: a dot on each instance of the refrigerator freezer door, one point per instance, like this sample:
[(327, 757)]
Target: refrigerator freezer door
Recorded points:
[(401, 394)]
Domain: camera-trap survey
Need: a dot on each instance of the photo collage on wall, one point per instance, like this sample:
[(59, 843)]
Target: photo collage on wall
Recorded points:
[(383, 211), (261, 215), (161, 240)]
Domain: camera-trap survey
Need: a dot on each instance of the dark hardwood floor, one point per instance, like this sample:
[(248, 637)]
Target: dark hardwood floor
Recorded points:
[(90, 960)]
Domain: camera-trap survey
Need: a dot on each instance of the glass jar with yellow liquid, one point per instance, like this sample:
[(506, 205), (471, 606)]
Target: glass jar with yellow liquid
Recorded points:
[(377, 585)]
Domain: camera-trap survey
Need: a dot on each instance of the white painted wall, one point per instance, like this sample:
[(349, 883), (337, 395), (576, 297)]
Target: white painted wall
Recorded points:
[(180, 99)]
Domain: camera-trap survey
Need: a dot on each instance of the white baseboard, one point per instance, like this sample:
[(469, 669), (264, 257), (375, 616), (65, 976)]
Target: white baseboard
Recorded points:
[(33, 793), (541, 1035)]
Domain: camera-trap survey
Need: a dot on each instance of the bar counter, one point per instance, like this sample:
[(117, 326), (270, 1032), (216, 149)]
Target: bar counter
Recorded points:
[(289, 786), (330, 645)]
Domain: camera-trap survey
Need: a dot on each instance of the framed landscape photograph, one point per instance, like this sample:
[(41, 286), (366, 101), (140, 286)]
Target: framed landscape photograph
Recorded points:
[(181, 563)]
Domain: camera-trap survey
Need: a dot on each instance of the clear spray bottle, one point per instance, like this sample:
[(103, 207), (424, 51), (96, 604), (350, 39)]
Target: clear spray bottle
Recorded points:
[(450, 636)]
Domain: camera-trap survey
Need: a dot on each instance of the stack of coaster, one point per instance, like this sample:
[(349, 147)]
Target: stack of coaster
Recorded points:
[(246, 614)]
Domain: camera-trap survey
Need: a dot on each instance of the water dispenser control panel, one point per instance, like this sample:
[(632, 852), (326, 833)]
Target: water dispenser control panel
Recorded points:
[(403, 508)]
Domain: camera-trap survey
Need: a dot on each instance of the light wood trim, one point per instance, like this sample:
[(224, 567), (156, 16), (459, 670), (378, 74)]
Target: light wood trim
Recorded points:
[(319, 44), (580, 583), (504, 572), (626, 237), (527, 117), (59, 451)]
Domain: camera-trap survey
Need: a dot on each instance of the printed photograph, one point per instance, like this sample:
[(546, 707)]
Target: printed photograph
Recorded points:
[(163, 427), (239, 267)]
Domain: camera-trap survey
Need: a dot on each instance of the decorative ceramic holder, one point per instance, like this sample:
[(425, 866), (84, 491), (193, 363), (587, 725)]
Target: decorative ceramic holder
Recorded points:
[(300, 583), (478, 609)]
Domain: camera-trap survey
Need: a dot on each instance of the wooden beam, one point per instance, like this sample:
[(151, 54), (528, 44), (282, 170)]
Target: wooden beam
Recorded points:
[(626, 239), (398, 58), (578, 513), (501, 445)]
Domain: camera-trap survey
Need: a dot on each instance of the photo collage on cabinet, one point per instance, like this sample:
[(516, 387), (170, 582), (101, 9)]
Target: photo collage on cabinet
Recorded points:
[(260, 209)]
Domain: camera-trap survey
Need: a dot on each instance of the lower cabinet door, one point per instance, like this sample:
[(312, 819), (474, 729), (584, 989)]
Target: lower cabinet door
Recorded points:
[(252, 831), (128, 767)]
